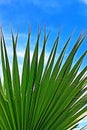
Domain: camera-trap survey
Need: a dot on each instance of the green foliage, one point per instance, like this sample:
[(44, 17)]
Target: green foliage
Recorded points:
[(53, 97)]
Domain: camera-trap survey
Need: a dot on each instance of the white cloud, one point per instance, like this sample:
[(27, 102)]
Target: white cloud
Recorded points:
[(20, 54), (5, 1), (51, 3), (83, 123), (0, 71), (42, 3), (84, 1)]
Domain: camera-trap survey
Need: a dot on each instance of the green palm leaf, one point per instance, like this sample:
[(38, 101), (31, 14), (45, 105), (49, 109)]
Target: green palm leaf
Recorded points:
[(48, 97)]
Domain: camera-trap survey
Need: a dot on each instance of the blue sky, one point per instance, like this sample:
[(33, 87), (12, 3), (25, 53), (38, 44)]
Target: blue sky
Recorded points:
[(66, 15), (53, 14)]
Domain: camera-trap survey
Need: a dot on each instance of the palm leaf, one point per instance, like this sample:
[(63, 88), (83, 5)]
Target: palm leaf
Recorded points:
[(51, 96), (8, 82), (16, 84)]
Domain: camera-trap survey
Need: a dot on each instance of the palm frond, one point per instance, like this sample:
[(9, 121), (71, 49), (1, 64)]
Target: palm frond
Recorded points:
[(48, 97)]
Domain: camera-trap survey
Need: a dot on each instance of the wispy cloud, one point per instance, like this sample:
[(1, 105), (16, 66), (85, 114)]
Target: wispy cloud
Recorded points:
[(5, 1), (82, 123), (42, 3), (84, 1), (20, 54)]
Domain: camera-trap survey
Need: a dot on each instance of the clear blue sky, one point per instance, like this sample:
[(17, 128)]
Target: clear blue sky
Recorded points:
[(67, 15)]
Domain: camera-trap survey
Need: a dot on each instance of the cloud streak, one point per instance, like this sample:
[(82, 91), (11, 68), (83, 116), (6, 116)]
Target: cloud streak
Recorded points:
[(84, 1), (5, 2), (42, 3)]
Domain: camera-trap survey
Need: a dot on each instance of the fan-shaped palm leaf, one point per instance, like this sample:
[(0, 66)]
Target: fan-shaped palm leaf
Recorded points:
[(53, 97)]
